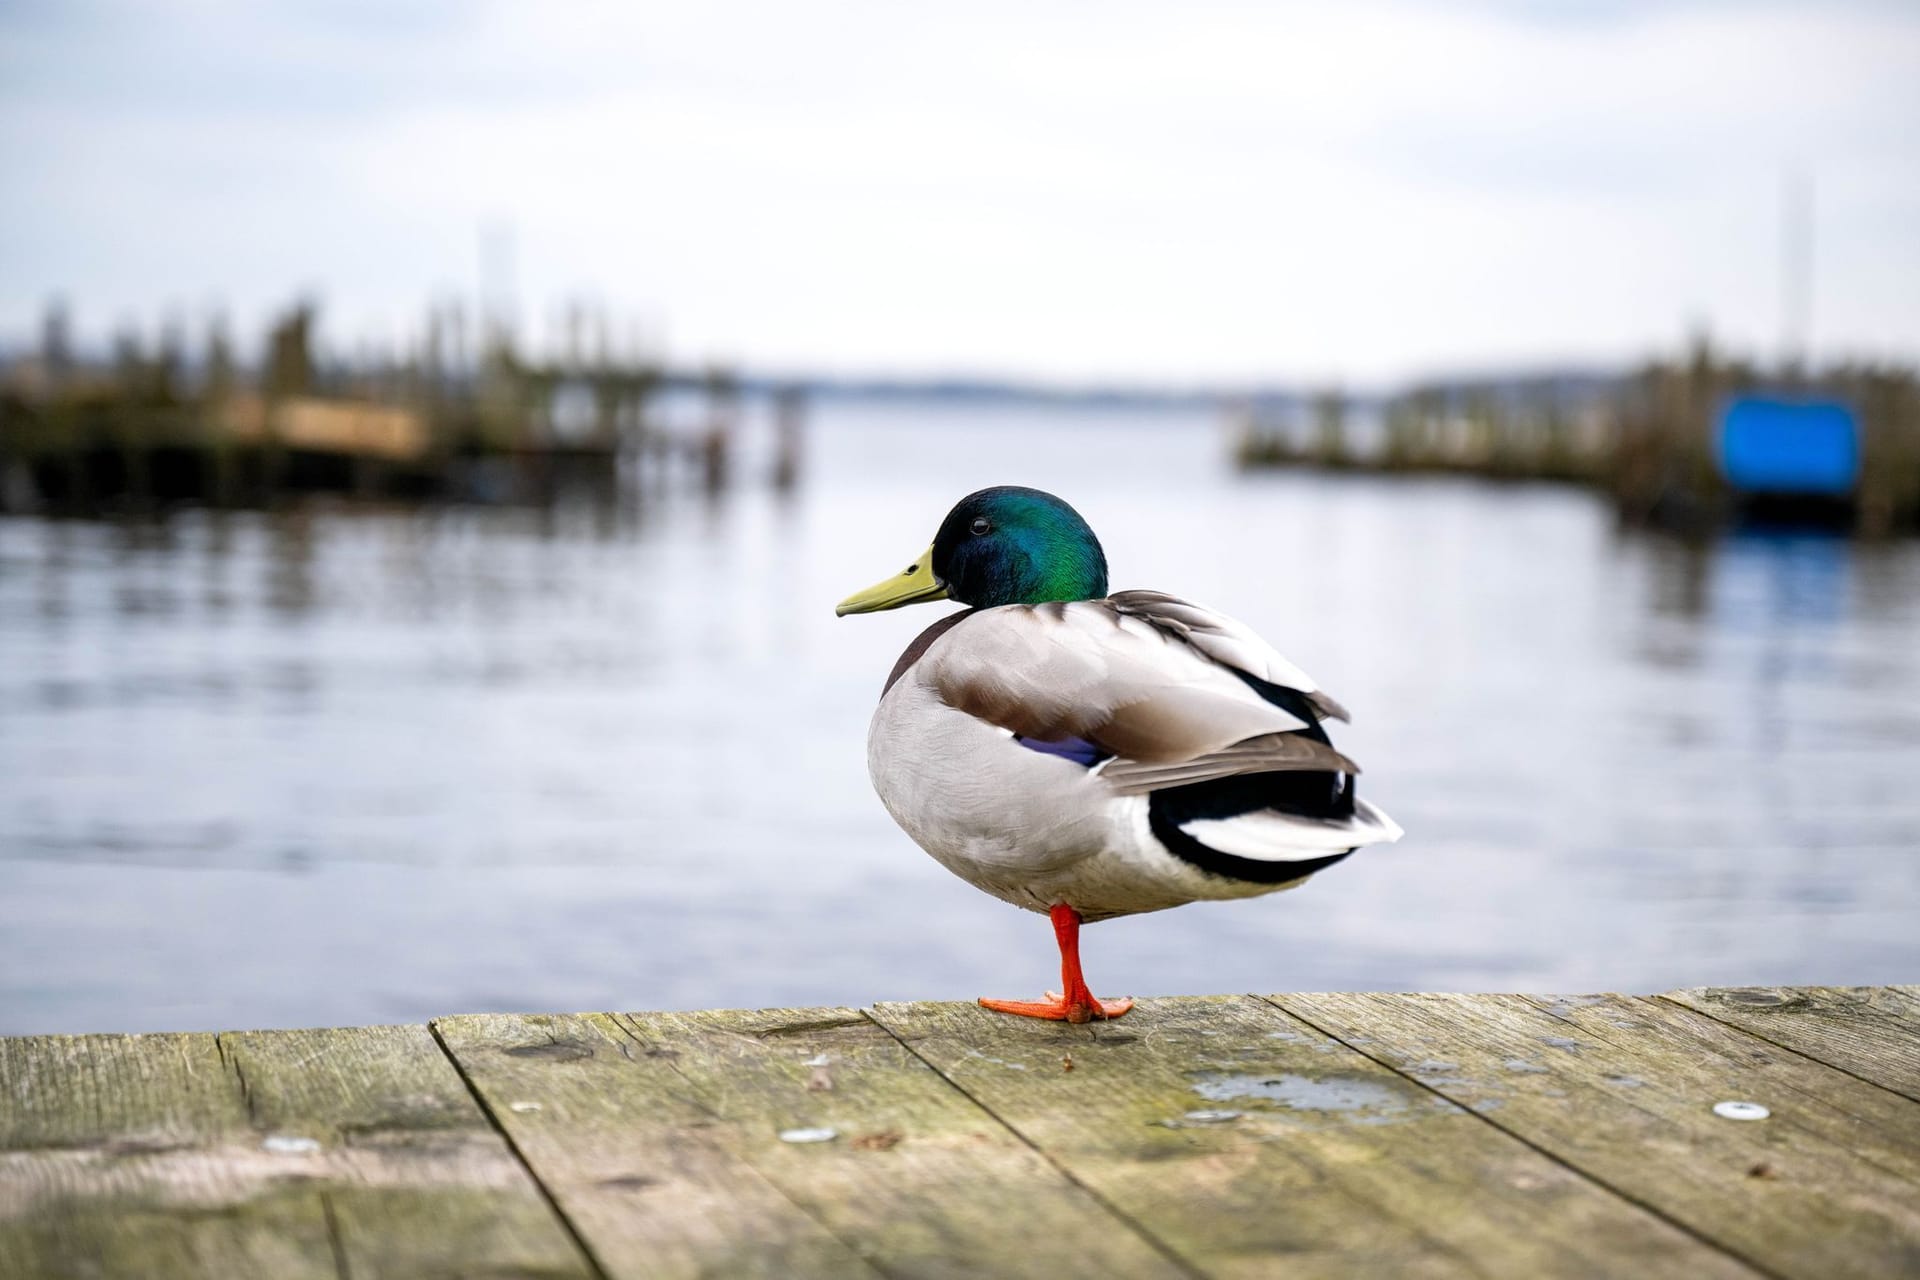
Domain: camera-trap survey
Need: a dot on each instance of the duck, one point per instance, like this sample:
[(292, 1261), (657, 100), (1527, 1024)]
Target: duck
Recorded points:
[(1088, 755)]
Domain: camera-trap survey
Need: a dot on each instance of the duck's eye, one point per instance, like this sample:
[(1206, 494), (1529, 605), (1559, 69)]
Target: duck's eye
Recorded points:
[(981, 525)]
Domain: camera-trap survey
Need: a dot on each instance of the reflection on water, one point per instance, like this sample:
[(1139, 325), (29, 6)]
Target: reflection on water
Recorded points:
[(346, 767)]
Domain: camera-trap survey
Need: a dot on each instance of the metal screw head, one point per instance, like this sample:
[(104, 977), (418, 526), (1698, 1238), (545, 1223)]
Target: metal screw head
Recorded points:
[(1731, 1110)]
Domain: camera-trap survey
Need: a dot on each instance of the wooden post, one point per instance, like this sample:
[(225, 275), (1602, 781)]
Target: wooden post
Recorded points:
[(789, 422), (215, 404), (716, 446), (1330, 428)]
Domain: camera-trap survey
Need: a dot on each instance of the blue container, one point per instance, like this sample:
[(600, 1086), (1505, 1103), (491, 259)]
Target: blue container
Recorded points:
[(1770, 445)]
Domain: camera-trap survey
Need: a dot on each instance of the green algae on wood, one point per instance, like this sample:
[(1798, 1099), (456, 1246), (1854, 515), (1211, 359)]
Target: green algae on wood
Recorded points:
[(927, 1180), (1870, 1032), (273, 1153), (1627, 1100), (641, 1165), (774, 1135), (1238, 1135), (1305, 1135)]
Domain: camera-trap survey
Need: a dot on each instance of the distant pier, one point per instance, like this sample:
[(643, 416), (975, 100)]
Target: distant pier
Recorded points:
[(153, 428), (1653, 442), (1734, 1132)]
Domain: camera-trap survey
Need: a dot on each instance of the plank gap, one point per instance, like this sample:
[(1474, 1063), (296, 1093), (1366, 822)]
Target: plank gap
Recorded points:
[(338, 1245), (626, 1026), (520, 1157), (1158, 1245)]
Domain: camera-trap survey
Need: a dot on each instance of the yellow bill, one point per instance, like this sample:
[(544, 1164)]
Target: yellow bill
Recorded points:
[(916, 584)]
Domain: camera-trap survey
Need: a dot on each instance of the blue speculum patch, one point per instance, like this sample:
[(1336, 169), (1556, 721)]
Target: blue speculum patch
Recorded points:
[(1078, 750), (1770, 444)]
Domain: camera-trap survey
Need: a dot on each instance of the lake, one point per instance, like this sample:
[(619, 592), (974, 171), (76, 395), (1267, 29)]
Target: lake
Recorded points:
[(339, 766)]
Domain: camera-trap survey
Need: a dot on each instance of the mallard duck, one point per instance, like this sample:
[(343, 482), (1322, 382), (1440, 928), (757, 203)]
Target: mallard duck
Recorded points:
[(1087, 755)]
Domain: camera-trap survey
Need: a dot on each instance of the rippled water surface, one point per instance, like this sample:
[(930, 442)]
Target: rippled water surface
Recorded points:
[(347, 767)]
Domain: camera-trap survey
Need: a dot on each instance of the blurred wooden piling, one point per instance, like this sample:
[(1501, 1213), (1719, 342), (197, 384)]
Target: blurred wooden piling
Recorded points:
[(789, 432), (1737, 1132), (439, 421), (716, 443)]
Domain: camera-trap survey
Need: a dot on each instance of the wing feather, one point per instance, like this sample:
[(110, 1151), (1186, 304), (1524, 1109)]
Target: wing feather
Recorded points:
[(1225, 640), (1274, 753), (1128, 674)]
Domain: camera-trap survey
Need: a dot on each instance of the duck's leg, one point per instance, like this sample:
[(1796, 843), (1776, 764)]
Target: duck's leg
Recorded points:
[(1073, 1002)]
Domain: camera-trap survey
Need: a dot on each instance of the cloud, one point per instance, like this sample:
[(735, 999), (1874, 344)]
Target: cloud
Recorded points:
[(1117, 191)]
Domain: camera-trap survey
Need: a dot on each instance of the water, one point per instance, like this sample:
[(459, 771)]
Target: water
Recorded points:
[(349, 767)]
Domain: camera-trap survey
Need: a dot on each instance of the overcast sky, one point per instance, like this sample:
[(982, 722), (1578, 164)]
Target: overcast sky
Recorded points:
[(1067, 191)]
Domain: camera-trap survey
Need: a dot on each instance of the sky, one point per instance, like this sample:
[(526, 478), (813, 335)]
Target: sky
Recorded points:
[(1070, 192)]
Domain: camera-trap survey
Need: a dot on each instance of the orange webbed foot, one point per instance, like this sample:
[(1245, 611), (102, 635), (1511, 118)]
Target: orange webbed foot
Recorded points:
[(1078, 1004), (1056, 1008)]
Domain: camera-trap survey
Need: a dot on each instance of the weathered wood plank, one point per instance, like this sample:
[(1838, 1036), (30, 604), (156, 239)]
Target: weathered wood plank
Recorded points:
[(134, 1156), (155, 1090), (1249, 1142), (1871, 1032), (643, 1168), (1224, 1136), (1623, 1091), (418, 1183), (917, 1179), (1861, 1121), (304, 1153)]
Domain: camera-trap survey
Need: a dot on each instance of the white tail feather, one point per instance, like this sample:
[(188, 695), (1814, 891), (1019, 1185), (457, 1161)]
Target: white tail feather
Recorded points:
[(1272, 836)]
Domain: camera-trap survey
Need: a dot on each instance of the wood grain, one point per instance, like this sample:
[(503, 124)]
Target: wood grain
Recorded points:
[(418, 1183), (134, 1156), (282, 1153), (1247, 1142), (1623, 1090), (1305, 1135), (639, 1162), (919, 1175), (1870, 1032), (1863, 1121)]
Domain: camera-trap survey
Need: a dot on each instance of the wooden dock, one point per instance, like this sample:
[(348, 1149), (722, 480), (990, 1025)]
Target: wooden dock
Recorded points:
[(1296, 1135)]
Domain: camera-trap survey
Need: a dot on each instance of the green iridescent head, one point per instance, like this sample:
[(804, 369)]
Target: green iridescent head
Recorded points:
[(1004, 545)]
